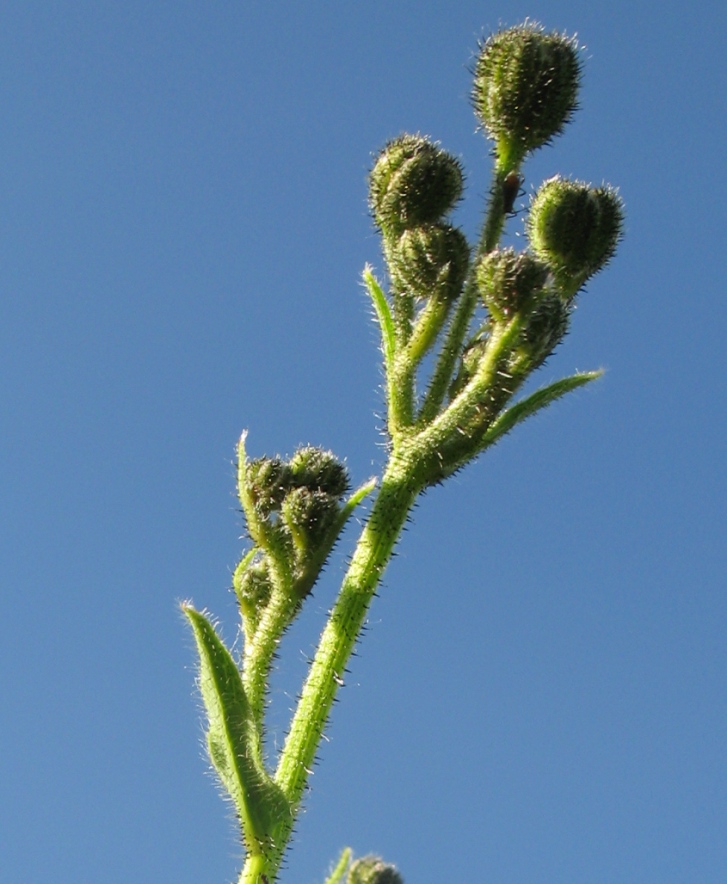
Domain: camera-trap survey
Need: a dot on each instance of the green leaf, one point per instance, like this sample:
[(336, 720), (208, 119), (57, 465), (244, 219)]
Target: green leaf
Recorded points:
[(383, 313), (231, 738), (535, 402), (337, 874)]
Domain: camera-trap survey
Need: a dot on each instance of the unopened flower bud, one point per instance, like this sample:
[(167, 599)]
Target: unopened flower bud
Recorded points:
[(373, 870), (526, 87), (507, 280), (252, 587), (413, 183), (318, 470), (575, 228), (308, 515), (430, 261), (267, 480)]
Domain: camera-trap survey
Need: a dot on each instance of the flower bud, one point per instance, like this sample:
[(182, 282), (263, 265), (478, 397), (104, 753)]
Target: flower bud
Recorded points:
[(507, 280), (546, 328), (575, 228), (525, 89), (267, 480), (413, 183), (308, 515), (373, 870), (252, 587), (318, 470), (430, 261)]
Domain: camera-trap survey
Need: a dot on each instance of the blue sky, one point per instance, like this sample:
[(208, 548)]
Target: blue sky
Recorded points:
[(540, 695)]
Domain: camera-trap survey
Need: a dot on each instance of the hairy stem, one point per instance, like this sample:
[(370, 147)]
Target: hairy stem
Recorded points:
[(452, 346), (399, 488)]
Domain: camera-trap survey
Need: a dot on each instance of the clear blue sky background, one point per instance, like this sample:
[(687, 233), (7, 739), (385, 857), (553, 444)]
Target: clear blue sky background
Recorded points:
[(540, 696)]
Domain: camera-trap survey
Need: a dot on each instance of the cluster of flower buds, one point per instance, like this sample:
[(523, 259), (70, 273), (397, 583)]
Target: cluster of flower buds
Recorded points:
[(413, 186), (525, 91), (373, 870), (293, 511), (513, 284)]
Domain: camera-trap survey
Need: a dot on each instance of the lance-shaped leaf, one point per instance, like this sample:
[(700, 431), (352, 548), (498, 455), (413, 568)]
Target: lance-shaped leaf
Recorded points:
[(535, 402), (383, 314), (233, 743)]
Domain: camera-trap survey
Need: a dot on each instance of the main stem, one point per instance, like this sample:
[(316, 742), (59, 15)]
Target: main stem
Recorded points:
[(399, 489)]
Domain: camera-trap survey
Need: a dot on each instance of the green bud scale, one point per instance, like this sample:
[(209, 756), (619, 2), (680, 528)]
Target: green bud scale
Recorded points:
[(525, 89), (413, 183), (575, 228)]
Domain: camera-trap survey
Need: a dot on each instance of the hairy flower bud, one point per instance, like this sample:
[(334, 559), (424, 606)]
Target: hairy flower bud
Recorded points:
[(413, 183), (507, 280), (308, 515), (525, 89), (373, 870), (575, 228), (267, 480), (252, 587), (430, 261), (318, 470)]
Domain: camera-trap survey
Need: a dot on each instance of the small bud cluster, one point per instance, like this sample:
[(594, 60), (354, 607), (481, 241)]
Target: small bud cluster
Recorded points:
[(514, 284), (292, 509), (305, 492), (413, 186)]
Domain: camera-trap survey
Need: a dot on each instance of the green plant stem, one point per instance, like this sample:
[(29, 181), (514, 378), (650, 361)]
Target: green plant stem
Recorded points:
[(259, 655), (256, 870), (424, 334), (448, 443), (399, 488), (452, 346)]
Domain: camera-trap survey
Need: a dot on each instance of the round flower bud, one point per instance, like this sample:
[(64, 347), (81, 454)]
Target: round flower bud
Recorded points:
[(413, 183), (525, 89), (318, 470), (252, 587), (546, 328), (575, 228), (308, 515), (430, 261), (507, 280), (373, 870), (267, 480)]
